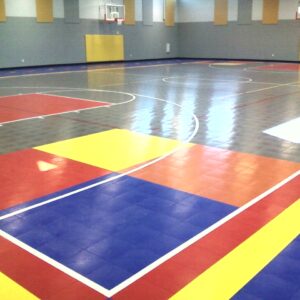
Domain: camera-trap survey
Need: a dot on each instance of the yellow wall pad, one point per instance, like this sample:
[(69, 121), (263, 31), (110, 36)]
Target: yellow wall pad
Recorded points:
[(129, 12), (104, 47), (2, 11), (225, 278), (170, 12), (44, 11), (11, 290), (270, 11), (221, 12), (114, 150)]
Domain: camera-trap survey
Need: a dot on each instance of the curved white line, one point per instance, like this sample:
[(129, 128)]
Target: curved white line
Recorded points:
[(167, 79), (66, 270), (116, 176), (132, 98)]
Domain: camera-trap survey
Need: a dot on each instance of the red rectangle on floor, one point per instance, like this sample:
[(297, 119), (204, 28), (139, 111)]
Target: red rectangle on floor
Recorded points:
[(19, 107), (38, 175), (280, 67)]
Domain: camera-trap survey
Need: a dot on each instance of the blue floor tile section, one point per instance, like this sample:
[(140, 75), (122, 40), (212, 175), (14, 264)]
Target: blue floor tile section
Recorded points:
[(110, 232), (280, 280)]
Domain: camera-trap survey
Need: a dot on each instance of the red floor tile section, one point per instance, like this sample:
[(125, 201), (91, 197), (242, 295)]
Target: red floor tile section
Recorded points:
[(41, 279), (23, 180), (280, 67), (227, 176), (180, 270), (13, 108), (47, 282)]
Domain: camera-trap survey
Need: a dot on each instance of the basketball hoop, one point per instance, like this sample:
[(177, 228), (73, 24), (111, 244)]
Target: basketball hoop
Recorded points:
[(119, 21), (112, 13)]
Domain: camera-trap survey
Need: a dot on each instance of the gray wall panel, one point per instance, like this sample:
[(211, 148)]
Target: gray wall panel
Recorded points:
[(147, 6), (61, 43), (245, 12), (71, 9), (204, 40)]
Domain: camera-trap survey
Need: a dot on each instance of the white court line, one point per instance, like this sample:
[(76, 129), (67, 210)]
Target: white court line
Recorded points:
[(254, 91), (154, 265), (68, 97), (199, 236), (252, 69), (114, 177), (60, 266), (167, 79), (48, 94), (50, 115), (132, 98), (55, 264), (91, 70), (172, 253)]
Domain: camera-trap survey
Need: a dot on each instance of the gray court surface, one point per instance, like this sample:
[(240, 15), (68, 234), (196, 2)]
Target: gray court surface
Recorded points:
[(233, 104)]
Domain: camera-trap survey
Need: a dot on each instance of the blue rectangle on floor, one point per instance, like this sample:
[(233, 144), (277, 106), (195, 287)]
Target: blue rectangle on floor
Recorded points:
[(110, 232)]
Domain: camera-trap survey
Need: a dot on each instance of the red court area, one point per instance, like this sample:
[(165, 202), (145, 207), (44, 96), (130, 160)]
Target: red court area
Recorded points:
[(39, 174), (280, 67), (19, 107)]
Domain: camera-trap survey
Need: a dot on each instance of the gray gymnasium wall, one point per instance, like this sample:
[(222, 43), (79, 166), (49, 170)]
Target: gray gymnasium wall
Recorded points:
[(63, 43), (255, 41)]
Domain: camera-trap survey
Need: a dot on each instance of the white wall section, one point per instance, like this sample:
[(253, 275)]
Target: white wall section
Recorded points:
[(20, 8), (158, 10), (138, 10), (232, 10), (58, 9), (287, 9)]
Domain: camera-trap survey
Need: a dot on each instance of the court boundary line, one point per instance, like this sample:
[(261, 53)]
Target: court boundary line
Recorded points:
[(133, 98), (158, 262), (252, 69), (297, 172), (5, 216), (56, 264), (94, 70), (67, 97), (166, 79)]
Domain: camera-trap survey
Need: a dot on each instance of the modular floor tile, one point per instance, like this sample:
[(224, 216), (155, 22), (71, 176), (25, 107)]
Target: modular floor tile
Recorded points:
[(114, 149), (13, 108), (208, 250), (232, 105), (108, 234), (279, 279), (227, 176), (28, 174)]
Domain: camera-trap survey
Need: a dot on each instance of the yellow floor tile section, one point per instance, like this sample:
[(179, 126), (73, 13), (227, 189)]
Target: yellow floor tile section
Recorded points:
[(225, 278), (114, 150), (11, 290)]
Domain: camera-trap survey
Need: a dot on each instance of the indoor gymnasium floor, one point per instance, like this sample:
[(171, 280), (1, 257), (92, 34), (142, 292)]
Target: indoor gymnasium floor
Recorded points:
[(164, 179)]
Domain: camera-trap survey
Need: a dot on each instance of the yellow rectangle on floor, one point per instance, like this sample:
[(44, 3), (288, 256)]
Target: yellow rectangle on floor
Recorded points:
[(114, 150), (225, 278), (11, 290), (104, 47)]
